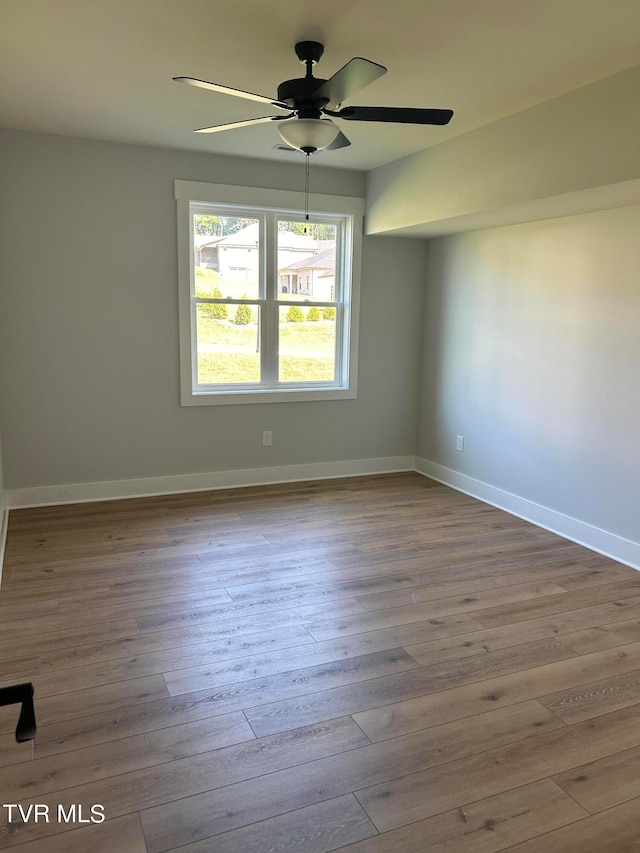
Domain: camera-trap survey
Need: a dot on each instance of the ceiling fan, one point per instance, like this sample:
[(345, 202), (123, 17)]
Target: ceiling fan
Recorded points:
[(310, 100)]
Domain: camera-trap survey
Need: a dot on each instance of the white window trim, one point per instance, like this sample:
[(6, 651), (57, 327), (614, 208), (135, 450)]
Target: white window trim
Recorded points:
[(189, 192)]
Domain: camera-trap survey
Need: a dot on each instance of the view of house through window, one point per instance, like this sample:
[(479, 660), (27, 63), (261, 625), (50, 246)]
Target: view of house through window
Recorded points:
[(255, 325)]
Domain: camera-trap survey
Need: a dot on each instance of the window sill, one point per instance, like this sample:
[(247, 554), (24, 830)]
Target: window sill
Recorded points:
[(296, 395)]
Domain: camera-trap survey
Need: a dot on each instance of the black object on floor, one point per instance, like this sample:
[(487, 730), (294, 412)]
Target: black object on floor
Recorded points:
[(21, 693)]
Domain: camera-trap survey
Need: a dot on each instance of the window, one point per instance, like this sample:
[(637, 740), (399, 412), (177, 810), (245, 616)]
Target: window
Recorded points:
[(268, 303)]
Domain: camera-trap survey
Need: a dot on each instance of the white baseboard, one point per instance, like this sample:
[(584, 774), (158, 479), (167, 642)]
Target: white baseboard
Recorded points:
[(618, 548), (609, 544), (148, 486)]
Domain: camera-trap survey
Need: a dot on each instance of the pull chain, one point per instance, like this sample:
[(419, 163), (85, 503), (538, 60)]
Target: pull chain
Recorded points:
[(306, 192)]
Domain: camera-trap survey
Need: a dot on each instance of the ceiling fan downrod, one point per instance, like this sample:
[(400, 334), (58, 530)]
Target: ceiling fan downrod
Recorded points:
[(309, 53)]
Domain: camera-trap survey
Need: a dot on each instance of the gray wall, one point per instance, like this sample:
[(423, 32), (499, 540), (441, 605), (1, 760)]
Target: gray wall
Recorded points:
[(504, 171), (4, 516), (532, 352), (89, 328), (4, 513), (2, 497)]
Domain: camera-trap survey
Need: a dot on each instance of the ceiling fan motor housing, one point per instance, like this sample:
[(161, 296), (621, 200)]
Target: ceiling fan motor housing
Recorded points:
[(299, 95)]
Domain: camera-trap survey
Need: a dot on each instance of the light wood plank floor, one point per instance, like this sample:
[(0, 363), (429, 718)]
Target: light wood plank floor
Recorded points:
[(372, 665)]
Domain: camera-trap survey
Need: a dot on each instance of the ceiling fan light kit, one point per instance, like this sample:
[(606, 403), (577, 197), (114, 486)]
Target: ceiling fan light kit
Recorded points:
[(309, 134)]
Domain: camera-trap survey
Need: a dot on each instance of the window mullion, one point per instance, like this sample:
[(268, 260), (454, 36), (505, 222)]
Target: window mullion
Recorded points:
[(270, 339), (343, 295)]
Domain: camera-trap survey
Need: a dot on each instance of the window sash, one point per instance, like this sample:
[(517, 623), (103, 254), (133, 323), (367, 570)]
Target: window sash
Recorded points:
[(269, 361)]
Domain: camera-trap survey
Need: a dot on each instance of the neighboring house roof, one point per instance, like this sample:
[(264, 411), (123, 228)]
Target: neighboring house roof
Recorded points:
[(201, 240), (321, 260)]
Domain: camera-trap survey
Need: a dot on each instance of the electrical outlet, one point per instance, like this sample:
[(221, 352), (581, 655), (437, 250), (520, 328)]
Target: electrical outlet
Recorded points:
[(460, 443), (267, 438)]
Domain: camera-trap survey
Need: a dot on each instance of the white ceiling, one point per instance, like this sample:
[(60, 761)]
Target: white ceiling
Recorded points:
[(102, 68)]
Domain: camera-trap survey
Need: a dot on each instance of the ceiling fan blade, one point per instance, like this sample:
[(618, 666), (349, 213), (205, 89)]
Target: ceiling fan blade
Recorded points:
[(227, 90), (401, 115), (231, 125), (340, 141), (352, 77)]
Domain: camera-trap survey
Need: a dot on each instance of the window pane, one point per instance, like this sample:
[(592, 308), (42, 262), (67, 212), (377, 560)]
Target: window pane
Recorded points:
[(228, 343), (226, 256), (307, 346), (306, 262)]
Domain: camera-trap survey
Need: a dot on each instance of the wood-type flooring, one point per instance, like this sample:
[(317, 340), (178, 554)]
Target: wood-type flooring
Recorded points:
[(369, 665)]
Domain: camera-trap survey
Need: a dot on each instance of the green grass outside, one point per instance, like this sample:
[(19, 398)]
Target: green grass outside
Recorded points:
[(241, 362), (313, 335), (228, 368), (295, 368)]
